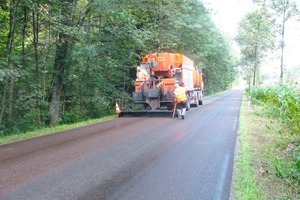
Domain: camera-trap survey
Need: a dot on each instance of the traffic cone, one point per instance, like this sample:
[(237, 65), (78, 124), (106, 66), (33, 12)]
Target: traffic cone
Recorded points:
[(118, 111)]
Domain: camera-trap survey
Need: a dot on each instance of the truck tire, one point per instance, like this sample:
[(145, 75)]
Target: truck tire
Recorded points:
[(200, 102), (197, 101), (201, 99)]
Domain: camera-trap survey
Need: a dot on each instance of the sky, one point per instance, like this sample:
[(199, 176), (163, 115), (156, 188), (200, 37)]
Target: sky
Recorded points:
[(227, 15)]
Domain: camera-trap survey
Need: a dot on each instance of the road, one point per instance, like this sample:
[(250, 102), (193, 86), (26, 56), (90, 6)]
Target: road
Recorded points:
[(129, 158)]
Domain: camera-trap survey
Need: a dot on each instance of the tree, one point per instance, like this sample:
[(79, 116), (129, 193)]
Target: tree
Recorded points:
[(10, 81), (255, 39), (60, 64), (281, 11), (284, 9)]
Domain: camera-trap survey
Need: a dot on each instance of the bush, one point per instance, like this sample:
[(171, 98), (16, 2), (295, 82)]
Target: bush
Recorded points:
[(282, 102)]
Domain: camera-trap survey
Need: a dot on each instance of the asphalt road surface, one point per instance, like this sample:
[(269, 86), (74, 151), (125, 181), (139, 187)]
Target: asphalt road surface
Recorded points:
[(129, 158)]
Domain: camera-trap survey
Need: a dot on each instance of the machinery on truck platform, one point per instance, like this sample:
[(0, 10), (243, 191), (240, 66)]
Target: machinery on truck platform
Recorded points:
[(155, 85)]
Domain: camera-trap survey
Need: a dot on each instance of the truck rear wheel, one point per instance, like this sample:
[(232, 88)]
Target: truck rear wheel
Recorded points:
[(200, 102), (197, 101), (201, 99)]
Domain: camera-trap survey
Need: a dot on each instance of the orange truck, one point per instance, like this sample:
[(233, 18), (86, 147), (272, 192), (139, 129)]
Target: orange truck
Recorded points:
[(154, 89)]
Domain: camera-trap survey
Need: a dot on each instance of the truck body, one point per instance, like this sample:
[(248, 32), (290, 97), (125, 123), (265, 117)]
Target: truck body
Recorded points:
[(164, 70)]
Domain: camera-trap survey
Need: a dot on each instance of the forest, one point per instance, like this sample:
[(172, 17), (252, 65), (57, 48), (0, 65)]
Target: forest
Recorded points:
[(68, 61)]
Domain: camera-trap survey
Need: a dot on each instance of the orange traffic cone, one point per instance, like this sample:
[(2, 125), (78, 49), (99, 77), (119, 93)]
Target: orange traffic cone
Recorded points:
[(118, 111)]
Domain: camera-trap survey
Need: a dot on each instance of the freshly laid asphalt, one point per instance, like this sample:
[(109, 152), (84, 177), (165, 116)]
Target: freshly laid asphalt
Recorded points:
[(130, 158)]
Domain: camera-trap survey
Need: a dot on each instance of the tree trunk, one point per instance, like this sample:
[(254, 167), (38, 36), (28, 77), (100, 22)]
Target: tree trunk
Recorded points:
[(255, 65), (59, 66), (3, 101), (282, 43), (35, 27), (62, 47), (11, 48)]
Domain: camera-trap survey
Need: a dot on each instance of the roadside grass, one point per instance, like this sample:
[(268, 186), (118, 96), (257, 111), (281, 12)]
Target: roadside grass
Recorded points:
[(4, 139), (245, 182), (266, 155)]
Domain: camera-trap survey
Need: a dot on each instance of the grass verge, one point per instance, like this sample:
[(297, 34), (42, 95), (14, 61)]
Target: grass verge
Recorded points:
[(4, 139), (264, 157), (246, 184)]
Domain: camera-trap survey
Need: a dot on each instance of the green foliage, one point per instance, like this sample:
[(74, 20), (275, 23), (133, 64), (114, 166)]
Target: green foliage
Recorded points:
[(4, 23), (255, 41), (290, 170), (282, 102)]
